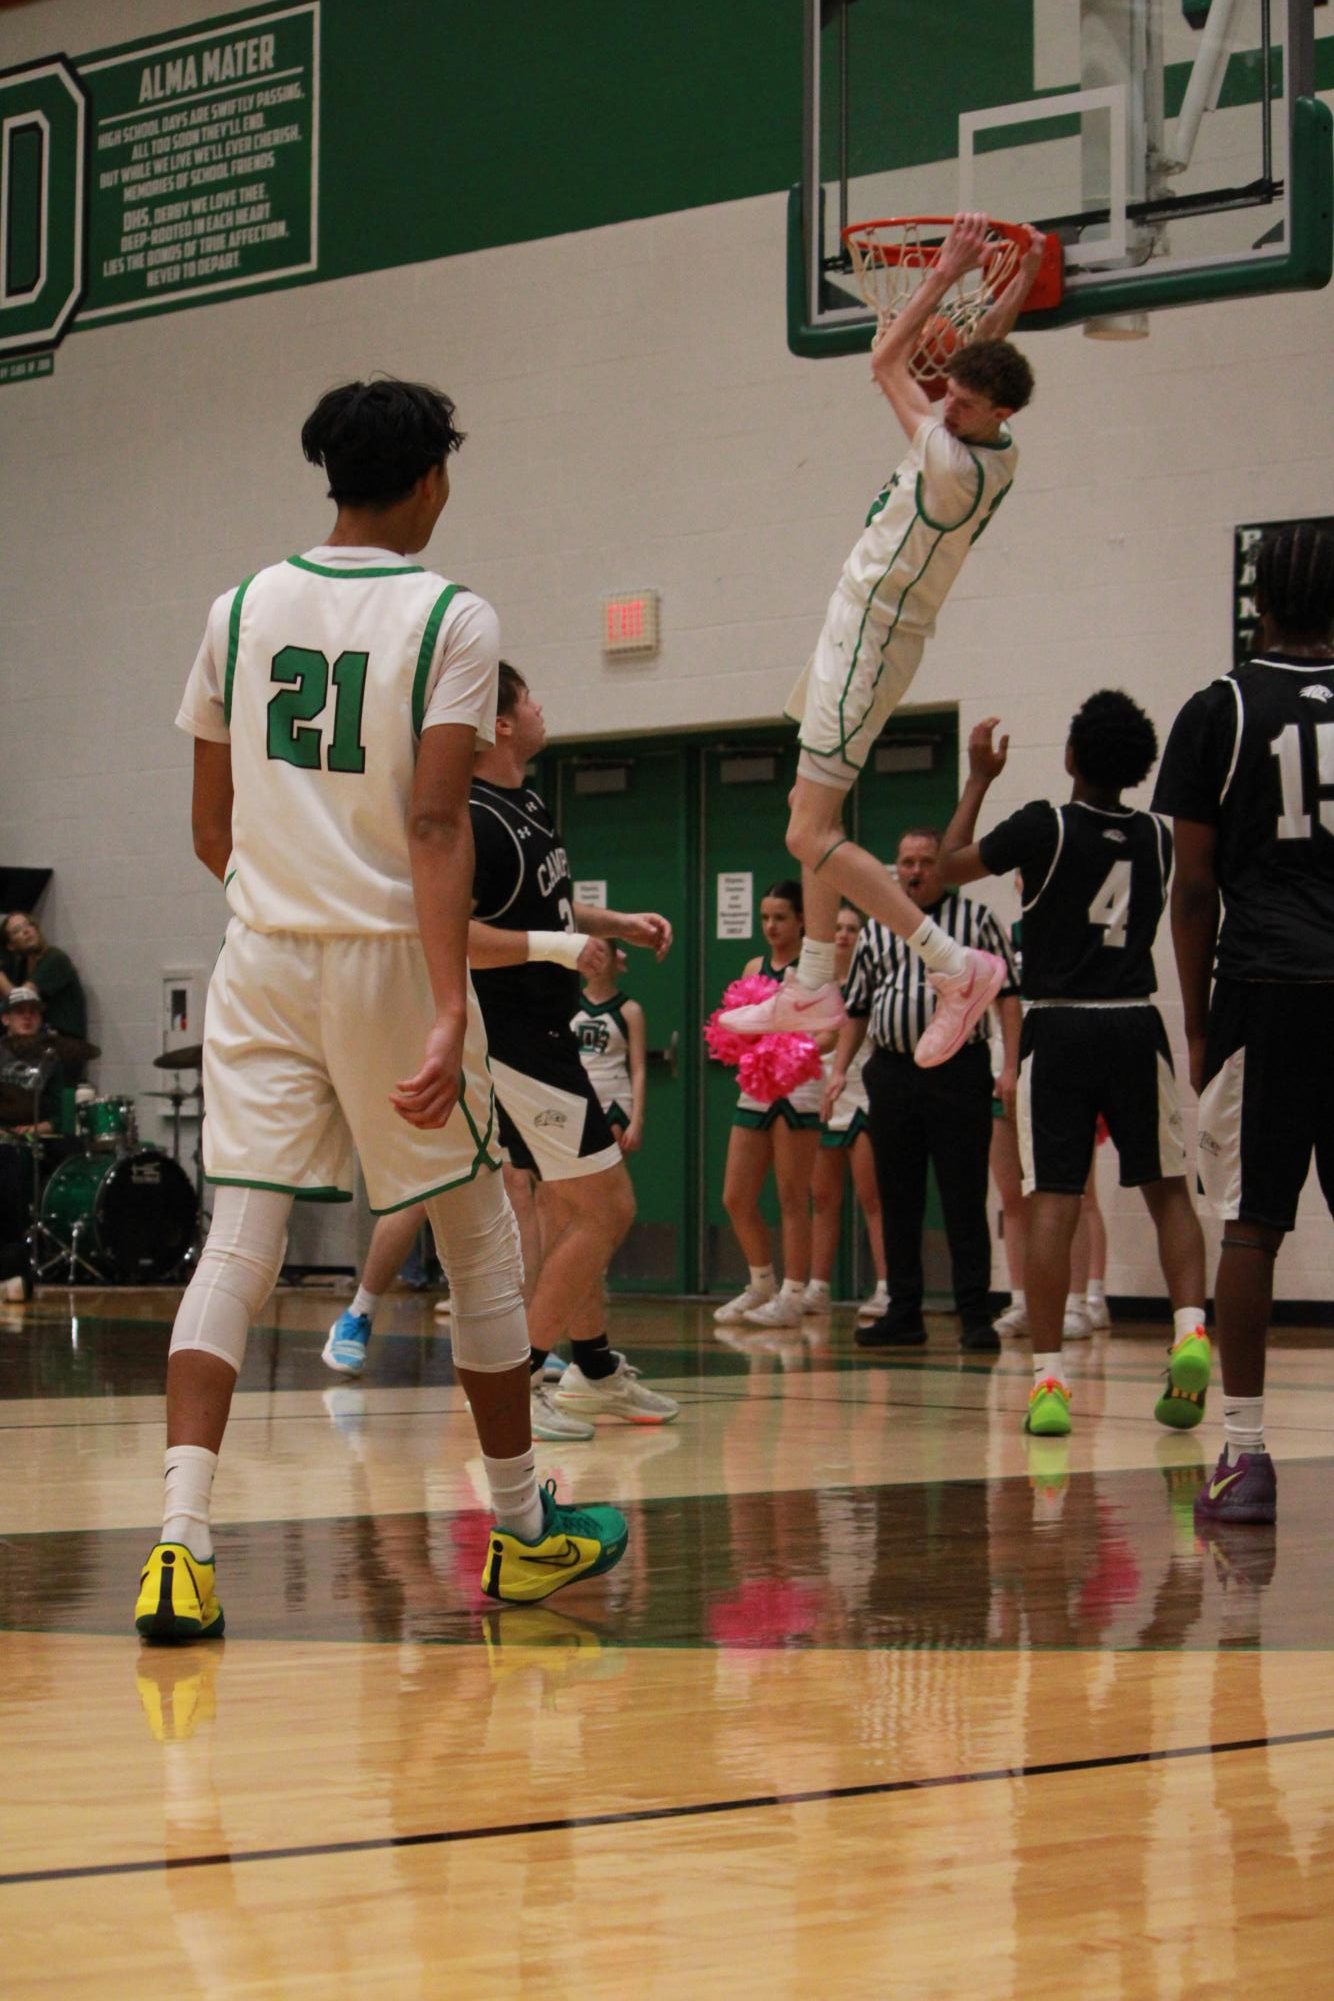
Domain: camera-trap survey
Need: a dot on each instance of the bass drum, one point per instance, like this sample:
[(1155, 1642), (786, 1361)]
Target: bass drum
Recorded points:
[(138, 1211)]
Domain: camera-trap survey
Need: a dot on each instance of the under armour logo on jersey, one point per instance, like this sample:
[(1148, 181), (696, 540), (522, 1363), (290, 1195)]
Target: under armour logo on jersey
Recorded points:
[(1317, 692)]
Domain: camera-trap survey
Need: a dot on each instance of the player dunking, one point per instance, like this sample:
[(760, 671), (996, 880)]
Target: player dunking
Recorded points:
[(1248, 776), (1095, 885), (958, 470), (336, 703)]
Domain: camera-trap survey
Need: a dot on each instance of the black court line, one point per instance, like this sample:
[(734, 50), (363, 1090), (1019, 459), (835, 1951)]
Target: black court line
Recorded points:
[(576, 1823)]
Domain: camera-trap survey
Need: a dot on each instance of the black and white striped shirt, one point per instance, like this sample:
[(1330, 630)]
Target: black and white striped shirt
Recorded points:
[(888, 982)]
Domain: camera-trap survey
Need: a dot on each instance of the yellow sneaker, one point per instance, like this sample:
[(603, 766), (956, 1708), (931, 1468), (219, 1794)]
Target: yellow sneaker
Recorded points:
[(573, 1543), (177, 1596)]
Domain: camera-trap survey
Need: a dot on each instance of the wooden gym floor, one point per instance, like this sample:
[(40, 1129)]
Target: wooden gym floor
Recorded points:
[(883, 1700)]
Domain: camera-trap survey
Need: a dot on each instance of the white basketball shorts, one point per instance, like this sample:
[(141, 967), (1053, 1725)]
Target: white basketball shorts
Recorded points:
[(851, 685), (305, 1036)]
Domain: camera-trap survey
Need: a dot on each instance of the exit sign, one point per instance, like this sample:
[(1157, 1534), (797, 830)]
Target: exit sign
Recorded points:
[(630, 622)]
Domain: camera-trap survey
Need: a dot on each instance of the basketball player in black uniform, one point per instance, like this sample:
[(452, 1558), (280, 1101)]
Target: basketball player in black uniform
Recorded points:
[(528, 942), (1095, 877), (1248, 777)]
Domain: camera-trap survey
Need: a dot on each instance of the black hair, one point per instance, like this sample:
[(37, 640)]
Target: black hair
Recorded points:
[(376, 439), (920, 834), (1112, 741), (790, 891), (995, 369), (1294, 581), (511, 686)]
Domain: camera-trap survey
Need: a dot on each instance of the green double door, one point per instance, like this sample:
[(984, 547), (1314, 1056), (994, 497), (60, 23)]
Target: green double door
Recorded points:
[(693, 827)]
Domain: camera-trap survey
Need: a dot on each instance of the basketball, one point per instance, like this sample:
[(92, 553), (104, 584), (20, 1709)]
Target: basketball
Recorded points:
[(940, 340)]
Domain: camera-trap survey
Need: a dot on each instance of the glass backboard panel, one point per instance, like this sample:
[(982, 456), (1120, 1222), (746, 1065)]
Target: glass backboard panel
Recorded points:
[(1178, 148)]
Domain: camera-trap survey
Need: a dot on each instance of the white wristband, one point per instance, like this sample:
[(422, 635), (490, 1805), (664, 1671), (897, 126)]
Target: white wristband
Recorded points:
[(562, 947)]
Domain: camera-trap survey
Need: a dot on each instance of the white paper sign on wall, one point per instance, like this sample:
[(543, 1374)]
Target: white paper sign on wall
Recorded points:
[(736, 905)]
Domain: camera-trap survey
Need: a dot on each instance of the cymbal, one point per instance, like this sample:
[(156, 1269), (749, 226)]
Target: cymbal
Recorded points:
[(190, 1058), (73, 1048)]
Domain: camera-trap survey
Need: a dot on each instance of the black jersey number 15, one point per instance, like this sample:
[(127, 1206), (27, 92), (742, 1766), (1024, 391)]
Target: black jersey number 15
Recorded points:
[(304, 675), (1294, 822)]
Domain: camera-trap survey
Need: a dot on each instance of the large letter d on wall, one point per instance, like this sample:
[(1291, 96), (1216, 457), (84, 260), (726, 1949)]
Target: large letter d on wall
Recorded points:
[(43, 135)]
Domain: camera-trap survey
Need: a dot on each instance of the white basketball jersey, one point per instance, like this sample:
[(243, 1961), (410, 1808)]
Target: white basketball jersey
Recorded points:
[(922, 525), (604, 1050), (321, 673)]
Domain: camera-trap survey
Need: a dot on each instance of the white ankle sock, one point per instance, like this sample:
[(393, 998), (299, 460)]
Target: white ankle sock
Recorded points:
[(1048, 1365), (815, 967), (187, 1488), (1243, 1426), (817, 1285), (1096, 1291), (1187, 1320), (514, 1495), (1074, 1302), (941, 953), (762, 1277), (364, 1302), (794, 1287), (1017, 1298)]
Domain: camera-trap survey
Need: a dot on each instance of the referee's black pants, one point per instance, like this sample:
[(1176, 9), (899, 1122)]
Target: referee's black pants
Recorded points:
[(941, 1117)]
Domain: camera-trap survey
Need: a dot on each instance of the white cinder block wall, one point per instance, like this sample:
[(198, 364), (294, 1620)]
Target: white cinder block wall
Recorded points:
[(633, 417)]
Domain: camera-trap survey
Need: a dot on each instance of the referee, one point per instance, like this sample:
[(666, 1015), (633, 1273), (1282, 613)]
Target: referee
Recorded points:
[(939, 1117)]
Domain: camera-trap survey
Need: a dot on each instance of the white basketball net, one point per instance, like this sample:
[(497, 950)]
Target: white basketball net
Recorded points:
[(889, 260)]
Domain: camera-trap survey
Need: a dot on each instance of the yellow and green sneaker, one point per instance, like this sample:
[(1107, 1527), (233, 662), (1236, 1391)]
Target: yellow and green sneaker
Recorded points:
[(574, 1543), (177, 1596), (1181, 1405), (1048, 1414)]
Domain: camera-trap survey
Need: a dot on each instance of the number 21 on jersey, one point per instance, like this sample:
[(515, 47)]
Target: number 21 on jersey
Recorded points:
[(304, 676)]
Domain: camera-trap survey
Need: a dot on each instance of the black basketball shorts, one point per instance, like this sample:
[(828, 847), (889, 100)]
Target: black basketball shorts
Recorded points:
[(1268, 1099), (550, 1121), (1076, 1061)]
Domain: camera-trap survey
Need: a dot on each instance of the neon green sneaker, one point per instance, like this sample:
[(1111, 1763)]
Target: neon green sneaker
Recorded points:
[(574, 1543), (1048, 1414), (1181, 1405)]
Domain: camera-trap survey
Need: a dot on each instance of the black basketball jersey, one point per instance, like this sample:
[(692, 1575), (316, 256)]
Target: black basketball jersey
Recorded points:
[(1253, 756), (1095, 882), (521, 882)]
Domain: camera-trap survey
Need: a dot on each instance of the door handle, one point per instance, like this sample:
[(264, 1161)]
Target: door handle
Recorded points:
[(667, 1056)]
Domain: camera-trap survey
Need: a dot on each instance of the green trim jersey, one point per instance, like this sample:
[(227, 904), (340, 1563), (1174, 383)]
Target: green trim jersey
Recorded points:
[(321, 673), (923, 523), (604, 1050)]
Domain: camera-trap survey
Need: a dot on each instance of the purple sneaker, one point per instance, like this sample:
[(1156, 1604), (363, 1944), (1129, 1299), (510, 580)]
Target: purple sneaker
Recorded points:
[(1246, 1491)]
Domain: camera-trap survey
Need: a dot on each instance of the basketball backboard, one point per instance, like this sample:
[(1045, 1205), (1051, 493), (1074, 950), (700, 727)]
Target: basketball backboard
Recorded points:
[(1177, 147)]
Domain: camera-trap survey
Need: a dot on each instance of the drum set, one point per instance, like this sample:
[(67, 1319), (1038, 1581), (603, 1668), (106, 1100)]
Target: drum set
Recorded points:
[(102, 1208)]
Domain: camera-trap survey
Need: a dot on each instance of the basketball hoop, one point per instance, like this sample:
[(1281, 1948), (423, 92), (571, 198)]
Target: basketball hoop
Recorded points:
[(890, 259)]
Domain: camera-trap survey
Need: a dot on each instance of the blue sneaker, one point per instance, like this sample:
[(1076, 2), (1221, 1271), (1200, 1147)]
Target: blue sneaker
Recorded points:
[(345, 1349), (553, 1369)]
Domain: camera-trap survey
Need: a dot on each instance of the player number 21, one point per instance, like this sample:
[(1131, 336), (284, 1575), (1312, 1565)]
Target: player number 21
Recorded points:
[(305, 674), (1294, 822), (1110, 908)]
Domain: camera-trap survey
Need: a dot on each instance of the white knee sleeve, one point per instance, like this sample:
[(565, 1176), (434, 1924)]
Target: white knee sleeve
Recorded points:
[(477, 1239), (237, 1269)]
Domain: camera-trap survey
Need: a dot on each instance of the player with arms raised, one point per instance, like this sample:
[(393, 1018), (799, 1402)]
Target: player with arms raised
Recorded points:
[(1095, 875), (959, 467)]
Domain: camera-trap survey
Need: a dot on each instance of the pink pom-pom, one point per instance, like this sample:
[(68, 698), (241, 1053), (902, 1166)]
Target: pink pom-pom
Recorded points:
[(749, 989), (774, 1065), (723, 1044)]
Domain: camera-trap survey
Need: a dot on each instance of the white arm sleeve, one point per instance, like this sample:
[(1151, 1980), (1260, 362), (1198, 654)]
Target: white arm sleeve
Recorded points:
[(461, 686), (201, 710)]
